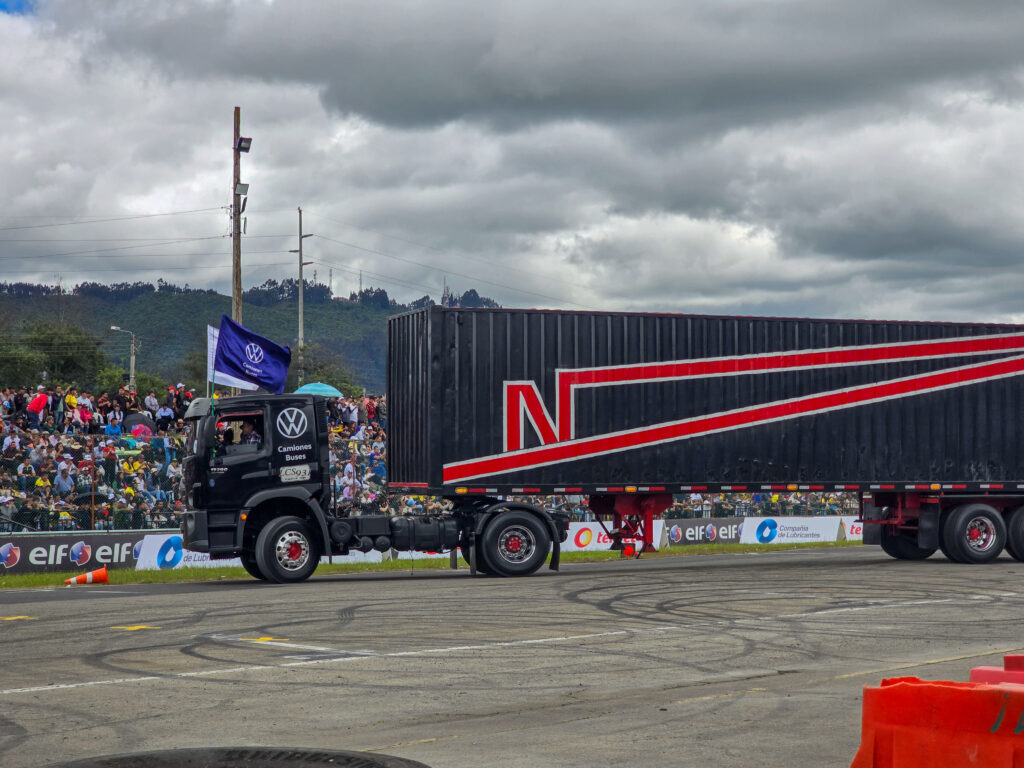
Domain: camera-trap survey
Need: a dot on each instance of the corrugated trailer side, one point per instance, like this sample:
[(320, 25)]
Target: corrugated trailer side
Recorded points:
[(920, 418), (410, 400), (555, 399)]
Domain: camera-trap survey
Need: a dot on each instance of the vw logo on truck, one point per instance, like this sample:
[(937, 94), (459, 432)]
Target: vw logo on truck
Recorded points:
[(291, 422)]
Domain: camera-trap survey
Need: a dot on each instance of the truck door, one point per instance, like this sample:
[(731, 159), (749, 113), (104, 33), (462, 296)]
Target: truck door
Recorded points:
[(296, 453), (242, 461)]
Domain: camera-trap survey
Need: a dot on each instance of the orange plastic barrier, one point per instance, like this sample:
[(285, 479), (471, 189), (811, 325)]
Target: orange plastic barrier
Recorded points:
[(912, 723), (1012, 671), (99, 576)]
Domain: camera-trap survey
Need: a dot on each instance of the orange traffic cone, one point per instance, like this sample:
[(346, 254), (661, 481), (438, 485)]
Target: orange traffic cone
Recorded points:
[(99, 576)]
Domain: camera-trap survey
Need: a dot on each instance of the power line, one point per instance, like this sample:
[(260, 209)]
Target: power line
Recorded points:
[(452, 272), (156, 269), (118, 248), (113, 218), (382, 278), (489, 262)]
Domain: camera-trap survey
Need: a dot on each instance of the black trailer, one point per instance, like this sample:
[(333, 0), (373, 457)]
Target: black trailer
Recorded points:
[(918, 418)]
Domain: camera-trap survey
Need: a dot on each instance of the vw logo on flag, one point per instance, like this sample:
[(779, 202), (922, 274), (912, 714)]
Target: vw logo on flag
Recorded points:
[(254, 352), (291, 422)]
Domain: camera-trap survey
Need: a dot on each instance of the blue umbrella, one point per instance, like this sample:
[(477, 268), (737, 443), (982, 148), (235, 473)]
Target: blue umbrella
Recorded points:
[(318, 388)]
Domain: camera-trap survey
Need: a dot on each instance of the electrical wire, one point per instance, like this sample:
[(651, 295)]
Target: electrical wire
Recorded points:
[(113, 218), (453, 272)]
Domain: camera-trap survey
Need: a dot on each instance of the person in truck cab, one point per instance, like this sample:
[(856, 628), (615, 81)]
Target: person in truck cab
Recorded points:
[(249, 434)]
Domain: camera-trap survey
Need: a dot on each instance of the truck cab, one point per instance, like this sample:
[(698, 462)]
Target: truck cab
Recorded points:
[(256, 480)]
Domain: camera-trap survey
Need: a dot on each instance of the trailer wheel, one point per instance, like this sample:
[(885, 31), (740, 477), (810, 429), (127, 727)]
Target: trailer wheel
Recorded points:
[(974, 533), (1015, 534), (286, 550), (903, 546), (515, 544), (251, 567)]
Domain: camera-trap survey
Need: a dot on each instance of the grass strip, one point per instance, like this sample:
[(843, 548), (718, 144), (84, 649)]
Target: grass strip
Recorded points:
[(179, 575)]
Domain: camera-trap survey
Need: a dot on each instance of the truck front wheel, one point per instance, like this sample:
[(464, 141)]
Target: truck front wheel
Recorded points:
[(249, 563), (286, 550), (515, 544), (973, 533), (902, 546)]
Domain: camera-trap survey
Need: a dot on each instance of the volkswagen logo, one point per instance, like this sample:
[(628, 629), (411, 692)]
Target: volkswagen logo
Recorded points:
[(254, 352), (291, 422)]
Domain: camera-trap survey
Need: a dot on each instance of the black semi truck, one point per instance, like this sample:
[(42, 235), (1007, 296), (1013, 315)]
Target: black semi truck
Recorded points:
[(918, 419)]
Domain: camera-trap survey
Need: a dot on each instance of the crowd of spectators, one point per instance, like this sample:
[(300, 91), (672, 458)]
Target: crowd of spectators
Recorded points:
[(73, 460)]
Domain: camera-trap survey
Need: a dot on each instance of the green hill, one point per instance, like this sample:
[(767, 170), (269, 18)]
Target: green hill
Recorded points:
[(170, 325)]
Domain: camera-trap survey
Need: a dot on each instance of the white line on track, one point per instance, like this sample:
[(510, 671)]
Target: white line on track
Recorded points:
[(343, 659)]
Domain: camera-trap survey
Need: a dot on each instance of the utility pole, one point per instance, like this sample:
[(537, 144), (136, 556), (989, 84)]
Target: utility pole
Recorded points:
[(236, 228), (301, 372), (131, 369)]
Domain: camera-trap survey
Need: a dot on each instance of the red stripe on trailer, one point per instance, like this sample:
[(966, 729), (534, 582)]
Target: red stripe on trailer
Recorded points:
[(684, 429), (567, 380), (408, 485)]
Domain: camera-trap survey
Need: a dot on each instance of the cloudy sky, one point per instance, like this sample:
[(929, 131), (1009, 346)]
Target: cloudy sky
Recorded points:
[(847, 159)]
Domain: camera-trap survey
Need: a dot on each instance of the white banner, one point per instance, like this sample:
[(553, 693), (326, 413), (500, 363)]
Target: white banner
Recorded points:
[(212, 334), (789, 530), (850, 529)]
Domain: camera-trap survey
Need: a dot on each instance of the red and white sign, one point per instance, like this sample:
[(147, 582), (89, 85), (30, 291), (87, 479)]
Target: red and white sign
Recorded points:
[(590, 537)]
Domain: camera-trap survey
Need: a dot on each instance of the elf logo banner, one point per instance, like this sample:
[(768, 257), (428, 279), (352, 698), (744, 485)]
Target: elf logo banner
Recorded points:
[(553, 423), (718, 530)]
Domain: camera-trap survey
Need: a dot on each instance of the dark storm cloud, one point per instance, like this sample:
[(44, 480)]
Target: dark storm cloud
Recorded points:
[(811, 158), (711, 64)]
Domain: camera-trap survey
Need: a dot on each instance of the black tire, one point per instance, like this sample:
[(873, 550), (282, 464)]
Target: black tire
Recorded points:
[(514, 544), (902, 545), (1015, 534), (974, 534), (481, 562), (952, 555), (286, 550), (251, 567)]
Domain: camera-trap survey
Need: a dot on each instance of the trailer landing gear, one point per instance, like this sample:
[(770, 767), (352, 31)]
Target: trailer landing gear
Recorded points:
[(632, 517)]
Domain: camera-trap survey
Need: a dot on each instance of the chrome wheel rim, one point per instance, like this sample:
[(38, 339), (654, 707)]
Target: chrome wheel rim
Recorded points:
[(980, 534), (292, 550), (516, 544)]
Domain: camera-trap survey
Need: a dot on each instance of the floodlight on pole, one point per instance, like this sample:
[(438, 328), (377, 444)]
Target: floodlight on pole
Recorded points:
[(241, 189), (244, 143)]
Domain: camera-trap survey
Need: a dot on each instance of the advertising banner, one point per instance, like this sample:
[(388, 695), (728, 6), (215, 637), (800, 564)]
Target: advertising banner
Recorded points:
[(164, 551), (850, 529), (789, 530), (706, 530), (81, 550), (590, 537)]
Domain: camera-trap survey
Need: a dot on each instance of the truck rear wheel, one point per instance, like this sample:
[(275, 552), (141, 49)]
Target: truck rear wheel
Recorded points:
[(286, 550), (902, 545), (1015, 534), (515, 544), (973, 533)]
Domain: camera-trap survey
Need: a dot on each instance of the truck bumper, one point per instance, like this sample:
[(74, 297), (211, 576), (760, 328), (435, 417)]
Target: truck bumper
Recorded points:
[(195, 530)]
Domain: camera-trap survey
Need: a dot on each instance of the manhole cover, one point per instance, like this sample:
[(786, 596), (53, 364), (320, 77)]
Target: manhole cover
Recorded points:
[(244, 757)]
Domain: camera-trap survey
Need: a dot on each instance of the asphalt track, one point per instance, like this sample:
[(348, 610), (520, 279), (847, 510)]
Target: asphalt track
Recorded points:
[(731, 660)]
